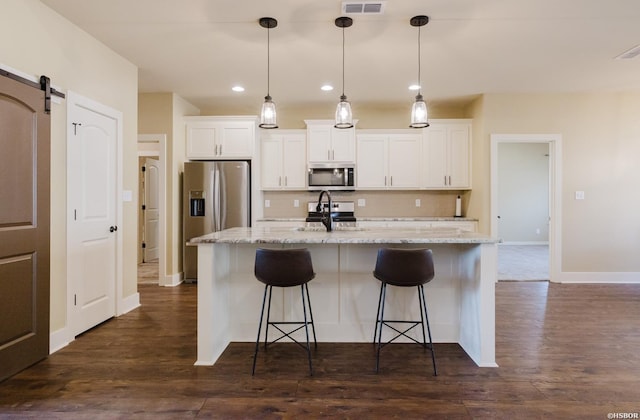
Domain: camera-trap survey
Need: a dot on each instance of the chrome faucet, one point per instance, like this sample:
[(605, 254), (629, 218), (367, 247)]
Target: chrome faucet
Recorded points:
[(325, 218)]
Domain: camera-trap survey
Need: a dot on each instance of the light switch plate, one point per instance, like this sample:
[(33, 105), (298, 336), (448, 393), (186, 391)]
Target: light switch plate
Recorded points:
[(296, 203), (418, 203), (361, 202), (579, 195), (267, 203), (127, 195)]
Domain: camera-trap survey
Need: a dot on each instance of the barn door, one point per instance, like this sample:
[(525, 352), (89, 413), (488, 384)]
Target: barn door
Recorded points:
[(24, 227)]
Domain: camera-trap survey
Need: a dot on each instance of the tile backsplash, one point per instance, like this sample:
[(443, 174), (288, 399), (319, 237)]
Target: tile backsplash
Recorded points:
[(377, 203)]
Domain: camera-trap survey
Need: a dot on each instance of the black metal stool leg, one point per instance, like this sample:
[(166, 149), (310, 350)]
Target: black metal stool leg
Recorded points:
[(383, 292), (306, 329), (255, 354), (420, 302), (375, 332), (266, 327), (313, 325), (426, 316)]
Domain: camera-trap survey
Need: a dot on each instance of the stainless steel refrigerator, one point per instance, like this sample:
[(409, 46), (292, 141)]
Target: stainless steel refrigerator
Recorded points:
[(216, 196)]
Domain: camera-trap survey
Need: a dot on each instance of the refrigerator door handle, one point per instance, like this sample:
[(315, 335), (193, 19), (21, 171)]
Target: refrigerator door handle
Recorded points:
[(216, 200)]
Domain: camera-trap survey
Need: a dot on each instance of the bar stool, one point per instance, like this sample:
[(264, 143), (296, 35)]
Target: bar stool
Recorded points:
[(285, 268), (404, 268)]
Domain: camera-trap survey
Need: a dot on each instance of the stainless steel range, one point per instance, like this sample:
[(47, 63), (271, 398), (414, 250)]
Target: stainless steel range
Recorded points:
[(341, 212)]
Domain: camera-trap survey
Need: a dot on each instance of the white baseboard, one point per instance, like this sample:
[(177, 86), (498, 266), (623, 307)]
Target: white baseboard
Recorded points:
[(130, 303), (172, 280), (598, 277), (59, 339)]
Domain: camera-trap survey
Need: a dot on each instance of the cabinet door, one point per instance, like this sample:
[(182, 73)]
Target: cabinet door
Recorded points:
[(236, 140), (294, 162), (404, 161), (371, 168), (272, 162), (201, 141), (343, 145), (319, 143), (435, 151), (458, 151)]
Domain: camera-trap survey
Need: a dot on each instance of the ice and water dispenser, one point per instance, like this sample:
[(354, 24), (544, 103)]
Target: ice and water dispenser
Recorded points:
[(196, 203)]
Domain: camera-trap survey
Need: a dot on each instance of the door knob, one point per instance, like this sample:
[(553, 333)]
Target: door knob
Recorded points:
[(113, 229)]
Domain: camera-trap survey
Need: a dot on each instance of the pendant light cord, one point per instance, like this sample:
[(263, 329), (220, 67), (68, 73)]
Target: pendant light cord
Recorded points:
[(419, 62), (268, 59), (343, 61)]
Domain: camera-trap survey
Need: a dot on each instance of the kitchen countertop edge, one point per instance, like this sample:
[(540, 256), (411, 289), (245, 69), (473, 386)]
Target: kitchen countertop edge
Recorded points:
[(266, 235)]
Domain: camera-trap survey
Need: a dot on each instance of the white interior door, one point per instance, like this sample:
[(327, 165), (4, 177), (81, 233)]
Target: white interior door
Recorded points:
[(151, 208), (93, 224)]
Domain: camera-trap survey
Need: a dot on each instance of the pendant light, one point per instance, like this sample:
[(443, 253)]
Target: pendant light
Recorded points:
[(419, 115), (268, 113), (344, 117)]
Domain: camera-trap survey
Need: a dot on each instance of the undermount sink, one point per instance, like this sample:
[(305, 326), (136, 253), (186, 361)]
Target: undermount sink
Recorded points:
[(323, 229)]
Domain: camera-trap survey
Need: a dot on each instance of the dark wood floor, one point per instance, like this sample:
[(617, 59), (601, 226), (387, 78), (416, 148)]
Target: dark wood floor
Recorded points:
[(565, 351)]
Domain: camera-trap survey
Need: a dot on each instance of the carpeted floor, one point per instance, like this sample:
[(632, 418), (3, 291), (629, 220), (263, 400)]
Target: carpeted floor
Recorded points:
[(523, 262)]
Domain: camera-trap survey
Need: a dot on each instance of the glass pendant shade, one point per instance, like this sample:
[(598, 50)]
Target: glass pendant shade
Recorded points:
[(268, 114), (419, 115), (344, 117)]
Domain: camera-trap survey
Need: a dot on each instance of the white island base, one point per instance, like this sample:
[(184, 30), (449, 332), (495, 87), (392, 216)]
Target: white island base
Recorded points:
[(344, 293)]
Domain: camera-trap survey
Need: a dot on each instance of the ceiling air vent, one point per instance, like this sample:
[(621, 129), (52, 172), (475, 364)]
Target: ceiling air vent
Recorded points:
[(628, 55), (363, 7)]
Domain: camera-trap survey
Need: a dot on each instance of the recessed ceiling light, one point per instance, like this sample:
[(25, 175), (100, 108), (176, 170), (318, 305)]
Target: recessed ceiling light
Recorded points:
[(237, 89), (414, 87), (327, 88)]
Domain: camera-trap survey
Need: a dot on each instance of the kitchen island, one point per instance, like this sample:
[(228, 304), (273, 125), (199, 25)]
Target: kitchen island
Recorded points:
[(344, 294)]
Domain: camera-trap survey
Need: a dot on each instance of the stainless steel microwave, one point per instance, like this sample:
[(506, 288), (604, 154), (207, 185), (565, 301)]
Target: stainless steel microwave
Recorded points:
[(334, 177)]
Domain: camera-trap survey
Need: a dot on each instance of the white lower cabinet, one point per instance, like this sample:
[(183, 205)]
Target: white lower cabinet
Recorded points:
[(388, 161), (283, 160)]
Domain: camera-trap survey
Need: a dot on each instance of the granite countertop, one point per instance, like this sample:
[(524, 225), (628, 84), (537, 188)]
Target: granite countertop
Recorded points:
[(345, 235)]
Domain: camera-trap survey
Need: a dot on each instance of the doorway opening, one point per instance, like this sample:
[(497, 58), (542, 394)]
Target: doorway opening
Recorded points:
[(525, 192), (151, 209)]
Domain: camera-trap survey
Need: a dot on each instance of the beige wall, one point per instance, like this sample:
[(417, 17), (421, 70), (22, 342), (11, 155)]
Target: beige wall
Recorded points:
[(161, 113), (35, 40), (600, 149)]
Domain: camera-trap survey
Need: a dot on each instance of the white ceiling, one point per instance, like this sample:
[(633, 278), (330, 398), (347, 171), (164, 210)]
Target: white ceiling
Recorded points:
[(199, 49)]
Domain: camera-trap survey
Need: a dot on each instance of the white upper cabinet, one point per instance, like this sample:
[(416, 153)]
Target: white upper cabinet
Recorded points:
[(388, 160), (325, 143), (447, 155), (220, 137), (283, 159)]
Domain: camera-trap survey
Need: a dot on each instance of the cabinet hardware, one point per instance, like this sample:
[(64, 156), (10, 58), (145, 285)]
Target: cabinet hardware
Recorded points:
[(391, 181), (449, 180), (279, 181), (285, 180)]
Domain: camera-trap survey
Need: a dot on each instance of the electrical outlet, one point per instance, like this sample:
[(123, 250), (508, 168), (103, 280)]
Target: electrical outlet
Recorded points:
[(361, 202), (418, 203), (267, 203), (538, 231), (296, 203)]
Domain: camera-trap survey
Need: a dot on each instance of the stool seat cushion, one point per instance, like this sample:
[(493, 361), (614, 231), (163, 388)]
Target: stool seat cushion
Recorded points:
[(283, 267), (404, 267)]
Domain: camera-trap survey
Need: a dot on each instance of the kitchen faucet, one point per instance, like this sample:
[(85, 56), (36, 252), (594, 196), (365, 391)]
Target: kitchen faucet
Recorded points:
[(325, 218)]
